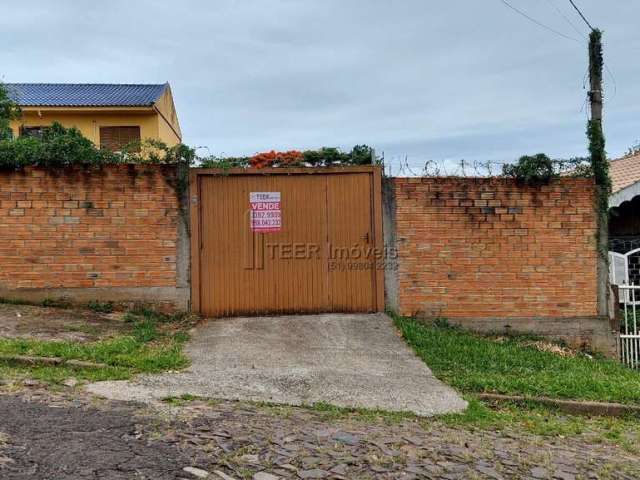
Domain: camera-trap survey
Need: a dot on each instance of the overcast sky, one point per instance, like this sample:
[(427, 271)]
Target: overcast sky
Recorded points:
[(438, 80)]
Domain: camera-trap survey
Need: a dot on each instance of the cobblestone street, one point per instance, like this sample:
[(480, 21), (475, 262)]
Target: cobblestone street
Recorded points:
[(47, 435)]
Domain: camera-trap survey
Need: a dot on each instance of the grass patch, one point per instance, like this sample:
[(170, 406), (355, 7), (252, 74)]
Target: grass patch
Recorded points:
[(154, 345), (548, 422), (58, 374), (181, 400), (473, 363), (47, 302), (15, 301), (333, 412), (100, 307), (55, 303)]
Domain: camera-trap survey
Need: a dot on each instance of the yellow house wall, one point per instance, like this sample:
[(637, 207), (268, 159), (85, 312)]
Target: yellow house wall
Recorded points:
[(89, 122), (168, 125)]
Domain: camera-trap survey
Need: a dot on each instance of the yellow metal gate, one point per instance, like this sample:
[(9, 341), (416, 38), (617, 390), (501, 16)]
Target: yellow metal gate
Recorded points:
[(286, 241)]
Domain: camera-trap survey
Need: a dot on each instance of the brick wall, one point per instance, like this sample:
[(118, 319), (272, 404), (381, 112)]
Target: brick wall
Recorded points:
[(108, 233), (490, 254)]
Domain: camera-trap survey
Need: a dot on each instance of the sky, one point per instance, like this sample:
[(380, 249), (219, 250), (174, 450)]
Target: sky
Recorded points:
[(417, 80)]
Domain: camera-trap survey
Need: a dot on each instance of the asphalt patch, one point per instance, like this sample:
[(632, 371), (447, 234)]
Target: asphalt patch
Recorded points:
[(41, 441)]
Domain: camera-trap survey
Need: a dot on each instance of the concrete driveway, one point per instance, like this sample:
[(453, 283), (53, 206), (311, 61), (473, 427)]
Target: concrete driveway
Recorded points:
[(345, 360)]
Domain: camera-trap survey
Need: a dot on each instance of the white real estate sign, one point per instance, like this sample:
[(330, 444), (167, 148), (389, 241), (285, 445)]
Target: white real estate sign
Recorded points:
[(266, 215)]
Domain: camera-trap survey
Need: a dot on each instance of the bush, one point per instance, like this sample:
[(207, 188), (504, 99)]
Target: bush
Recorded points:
[(59, 147), (225, 162), (324, 157), (540, 169), (157, 152), (531, 170), (100, 307), (292, 158)]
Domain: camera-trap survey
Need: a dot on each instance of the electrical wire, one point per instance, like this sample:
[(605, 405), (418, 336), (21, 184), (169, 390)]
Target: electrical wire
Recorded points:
[(540, 24), (608, 70), (613, 78), (581, 15), (563, 15)]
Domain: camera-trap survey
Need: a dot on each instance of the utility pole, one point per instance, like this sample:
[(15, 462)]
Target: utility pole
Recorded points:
[(595, 133), (595, 75), (600, 167)]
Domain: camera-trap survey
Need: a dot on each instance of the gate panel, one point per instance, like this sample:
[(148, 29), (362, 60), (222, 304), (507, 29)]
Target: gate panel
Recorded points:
[(352, 273), (245, 272), (237, 271)]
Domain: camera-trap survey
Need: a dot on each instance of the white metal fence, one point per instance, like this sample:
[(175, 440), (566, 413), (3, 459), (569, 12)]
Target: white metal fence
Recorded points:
[(629, 336)]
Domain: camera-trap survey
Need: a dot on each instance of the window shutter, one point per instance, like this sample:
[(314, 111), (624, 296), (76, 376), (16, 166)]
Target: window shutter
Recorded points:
[(116, 138), (618, 274)]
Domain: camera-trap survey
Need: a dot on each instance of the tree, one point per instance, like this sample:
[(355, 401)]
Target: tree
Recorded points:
[(9, 110)]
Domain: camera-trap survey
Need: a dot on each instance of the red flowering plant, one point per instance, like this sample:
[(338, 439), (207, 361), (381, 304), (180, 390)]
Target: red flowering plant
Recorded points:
[(323, 157), (292, 158)]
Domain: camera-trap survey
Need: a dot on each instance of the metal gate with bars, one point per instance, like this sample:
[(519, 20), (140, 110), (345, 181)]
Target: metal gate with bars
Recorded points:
[(629, 335)]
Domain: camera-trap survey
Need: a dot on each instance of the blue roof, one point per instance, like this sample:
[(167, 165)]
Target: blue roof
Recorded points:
[(84, 94)]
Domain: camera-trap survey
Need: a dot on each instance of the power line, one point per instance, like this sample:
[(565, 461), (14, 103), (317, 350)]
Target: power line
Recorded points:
[(615, 84), (581, 15), (540, 24), (562, 14)]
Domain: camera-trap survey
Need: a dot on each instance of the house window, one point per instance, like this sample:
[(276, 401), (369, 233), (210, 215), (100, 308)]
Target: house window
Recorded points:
[(36, 132), (116, 138)]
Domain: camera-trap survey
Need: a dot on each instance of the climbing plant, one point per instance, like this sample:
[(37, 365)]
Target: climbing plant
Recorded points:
[(594, 127)]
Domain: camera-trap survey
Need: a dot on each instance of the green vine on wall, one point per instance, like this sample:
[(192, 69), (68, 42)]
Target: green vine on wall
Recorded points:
[(595, 134)]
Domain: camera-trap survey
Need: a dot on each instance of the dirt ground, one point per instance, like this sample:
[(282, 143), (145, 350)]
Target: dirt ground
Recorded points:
[(45, 323), (70, 435)]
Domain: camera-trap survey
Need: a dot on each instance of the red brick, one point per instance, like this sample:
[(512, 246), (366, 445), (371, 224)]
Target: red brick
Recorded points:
[(459, 261), (59, 232)]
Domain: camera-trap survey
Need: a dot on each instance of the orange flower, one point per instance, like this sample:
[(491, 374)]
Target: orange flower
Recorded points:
[(276, 159)]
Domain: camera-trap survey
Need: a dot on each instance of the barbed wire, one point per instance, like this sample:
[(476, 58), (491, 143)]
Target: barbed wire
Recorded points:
[(403, 167)]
